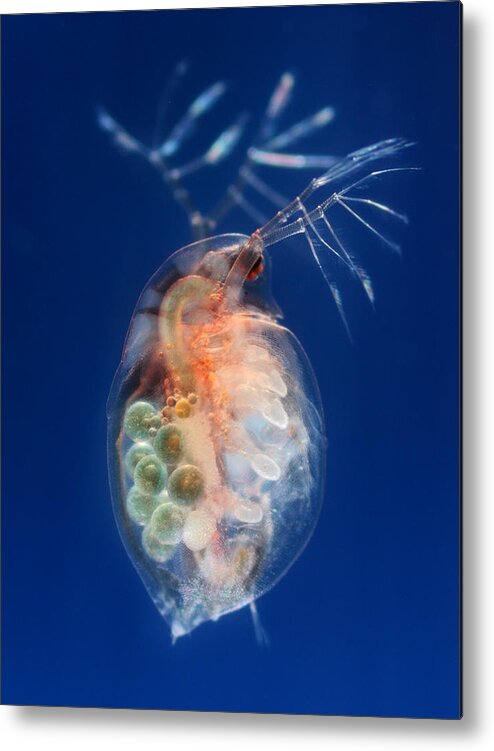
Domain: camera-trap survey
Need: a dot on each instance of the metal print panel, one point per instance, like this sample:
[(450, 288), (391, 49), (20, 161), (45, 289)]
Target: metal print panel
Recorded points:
[(231, 311)]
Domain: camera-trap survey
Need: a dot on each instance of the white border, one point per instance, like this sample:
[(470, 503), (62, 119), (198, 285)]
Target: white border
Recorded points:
[(80, 729)]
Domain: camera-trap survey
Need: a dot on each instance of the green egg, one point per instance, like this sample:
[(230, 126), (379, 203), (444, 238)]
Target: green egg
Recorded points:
[(155, 549), (185, 484), (167, 523), (168, 444), (155, 422), (139, 417), (150, 475), (140, 506), (134, 455)]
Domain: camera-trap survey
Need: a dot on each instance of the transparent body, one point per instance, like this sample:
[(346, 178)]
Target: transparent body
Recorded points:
[(216, 435)]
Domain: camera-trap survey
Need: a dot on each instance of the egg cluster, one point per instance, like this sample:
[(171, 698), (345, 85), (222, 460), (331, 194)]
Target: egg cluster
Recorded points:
[(167, 489)]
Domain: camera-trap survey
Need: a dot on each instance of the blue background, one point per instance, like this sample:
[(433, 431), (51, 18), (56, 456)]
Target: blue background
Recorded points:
[(367, 621)]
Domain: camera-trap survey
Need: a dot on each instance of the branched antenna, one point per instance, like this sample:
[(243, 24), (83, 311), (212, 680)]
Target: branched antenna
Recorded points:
[(265, 150), (160, 155), (343, 175), (315, 224)]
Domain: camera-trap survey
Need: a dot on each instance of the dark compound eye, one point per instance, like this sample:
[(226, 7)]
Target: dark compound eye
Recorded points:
[(256, 270)]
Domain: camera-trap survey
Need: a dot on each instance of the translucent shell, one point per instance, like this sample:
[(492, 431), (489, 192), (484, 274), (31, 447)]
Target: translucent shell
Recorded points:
[(216, 437)]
